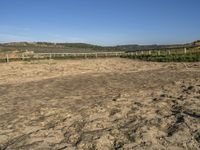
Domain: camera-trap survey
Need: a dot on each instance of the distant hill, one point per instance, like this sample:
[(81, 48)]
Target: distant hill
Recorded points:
[(45, 47), (197, 42)]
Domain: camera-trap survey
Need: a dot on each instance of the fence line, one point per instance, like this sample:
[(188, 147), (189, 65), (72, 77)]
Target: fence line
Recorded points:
[(26, 56)]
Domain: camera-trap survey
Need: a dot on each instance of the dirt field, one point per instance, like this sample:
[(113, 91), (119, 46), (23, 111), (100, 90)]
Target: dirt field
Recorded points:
[(99, 104)]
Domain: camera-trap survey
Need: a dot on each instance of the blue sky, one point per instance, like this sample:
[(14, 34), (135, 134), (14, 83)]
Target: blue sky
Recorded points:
[(103, 22)]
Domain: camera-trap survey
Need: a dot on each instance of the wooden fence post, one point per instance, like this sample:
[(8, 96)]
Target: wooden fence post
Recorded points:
[(185, 50), (149, 52), (7, 58)]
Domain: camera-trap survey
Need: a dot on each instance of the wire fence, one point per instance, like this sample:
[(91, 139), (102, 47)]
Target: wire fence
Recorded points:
[(7, 57)]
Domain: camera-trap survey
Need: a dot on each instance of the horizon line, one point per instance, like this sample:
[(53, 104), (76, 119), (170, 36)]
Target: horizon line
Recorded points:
[(88, 43)]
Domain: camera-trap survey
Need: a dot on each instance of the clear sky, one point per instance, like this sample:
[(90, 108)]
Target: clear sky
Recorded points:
[(104, 22)]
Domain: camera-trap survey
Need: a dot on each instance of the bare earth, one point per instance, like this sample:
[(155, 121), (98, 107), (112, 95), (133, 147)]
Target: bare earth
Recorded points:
[(99, 104)]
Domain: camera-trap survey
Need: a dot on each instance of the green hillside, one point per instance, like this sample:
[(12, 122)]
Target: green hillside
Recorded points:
[(45, 47)]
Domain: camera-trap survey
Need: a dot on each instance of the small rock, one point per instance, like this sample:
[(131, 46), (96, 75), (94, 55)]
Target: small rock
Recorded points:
[(118, 144)]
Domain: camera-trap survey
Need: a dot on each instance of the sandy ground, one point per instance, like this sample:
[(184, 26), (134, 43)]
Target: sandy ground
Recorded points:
[(99, 104)]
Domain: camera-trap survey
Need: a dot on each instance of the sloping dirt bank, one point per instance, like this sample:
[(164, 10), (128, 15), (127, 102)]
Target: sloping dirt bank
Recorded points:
[(99, 104)]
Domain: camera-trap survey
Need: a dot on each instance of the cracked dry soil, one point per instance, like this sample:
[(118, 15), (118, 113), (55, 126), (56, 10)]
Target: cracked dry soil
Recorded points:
[(99, 104)]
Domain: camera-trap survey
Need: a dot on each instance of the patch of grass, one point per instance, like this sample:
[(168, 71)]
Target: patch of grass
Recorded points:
[(168, 58)]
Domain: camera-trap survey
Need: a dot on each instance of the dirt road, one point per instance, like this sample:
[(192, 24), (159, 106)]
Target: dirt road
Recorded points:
[(99, 104)]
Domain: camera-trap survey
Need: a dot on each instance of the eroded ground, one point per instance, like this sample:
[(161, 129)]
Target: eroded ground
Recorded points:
[(99, 104)]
